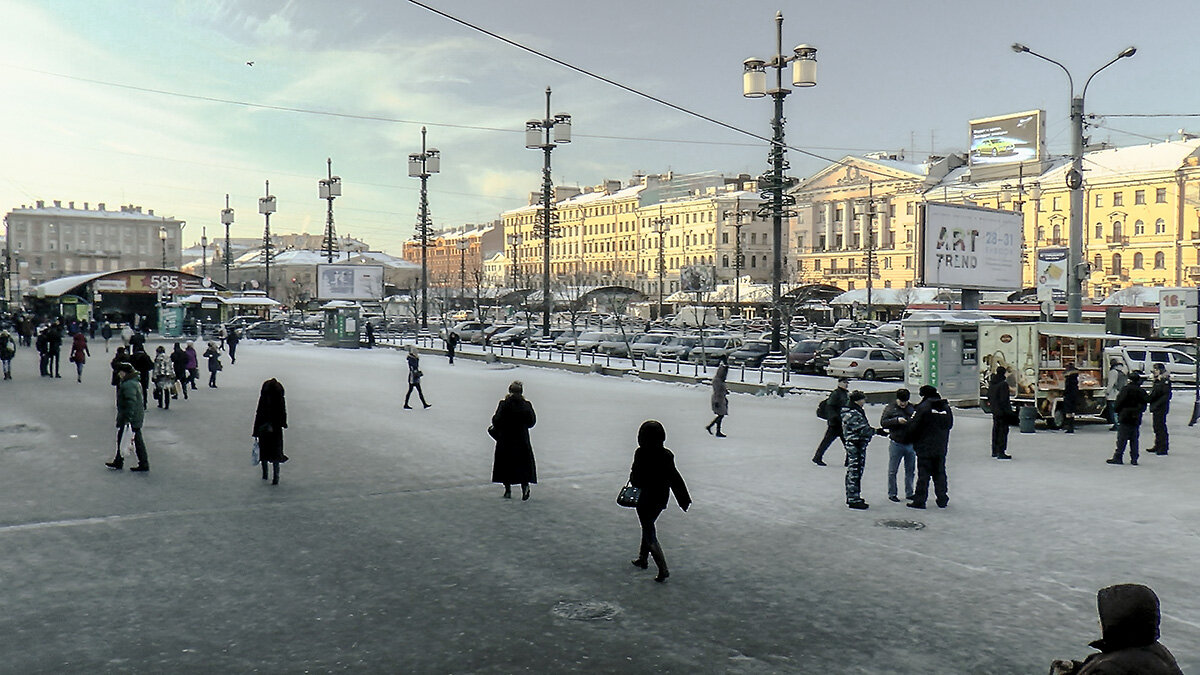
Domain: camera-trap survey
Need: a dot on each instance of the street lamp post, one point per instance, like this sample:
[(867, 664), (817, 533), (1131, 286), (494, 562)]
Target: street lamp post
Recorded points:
[(422, 165), (463, 244), (777, 204), (869, 212), (514, 240), (738, 214), (330, 188), (537, 136), (227, 220), (1076, 267), (660, 226), (266, 206), (162, 237), (204, 250)]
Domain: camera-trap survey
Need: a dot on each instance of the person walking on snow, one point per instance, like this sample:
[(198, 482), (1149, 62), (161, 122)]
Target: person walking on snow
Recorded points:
[(414, 378), (79, 354), (54, 340), (513, 461), (1129, 625), (214, 363), (1159, 404), (1130, 405), (451, 345), (179, 361), (895, 420), (720, 399), (1000, 401), (654, 473), (144, 365), (1071, 397), (931, 424), (270, 419), (833, 418), (1116, 382), (8, 349), (232, 340), (131, 410), (164, 377), (193, 365), (856, 435)]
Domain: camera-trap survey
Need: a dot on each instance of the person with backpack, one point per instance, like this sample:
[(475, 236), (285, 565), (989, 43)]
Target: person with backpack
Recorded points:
[(1130, 405), (856, 434), (830, 410)]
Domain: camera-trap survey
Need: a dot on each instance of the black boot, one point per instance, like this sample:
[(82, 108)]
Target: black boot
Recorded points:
[(264, 467), (660, 561), (117, 463), (274, 473)]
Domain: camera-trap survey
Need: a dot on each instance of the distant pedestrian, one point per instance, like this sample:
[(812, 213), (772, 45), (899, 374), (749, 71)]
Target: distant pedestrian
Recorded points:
[(232, 338), (833, 418), (54, 348), (193, 365), (451, 345), (1159, 404), (214, 363), (370, 336), (1130, 405), (1071, 398), (131, 411), (513, 461), (414, 378), (179, 361), (92, 326), (106, 332), (43, 348), (164, 378), (1000, 401), (8, 349), (895, 420), (118, 358), (720, 399), (138, 339), (222, 334), (931, 424), (127, 337), (654, 473), (857, 433), (1116, 382), (79, 354), (270, 419), (144, 365), (1129, 626)]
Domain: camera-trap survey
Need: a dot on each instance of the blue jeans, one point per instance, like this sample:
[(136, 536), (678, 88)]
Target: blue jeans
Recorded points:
[(896, 452)]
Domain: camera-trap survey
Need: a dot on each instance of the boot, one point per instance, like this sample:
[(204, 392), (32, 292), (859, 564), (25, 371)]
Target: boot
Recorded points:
[(275, 473), (719, 434), (507, 491), (264, 467), (660, 561), (117, 463)]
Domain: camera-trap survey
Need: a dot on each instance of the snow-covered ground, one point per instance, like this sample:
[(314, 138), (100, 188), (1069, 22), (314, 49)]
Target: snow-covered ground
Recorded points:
[(386, 549)]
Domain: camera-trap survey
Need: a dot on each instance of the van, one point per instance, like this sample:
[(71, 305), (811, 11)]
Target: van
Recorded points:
[(1142, 357)]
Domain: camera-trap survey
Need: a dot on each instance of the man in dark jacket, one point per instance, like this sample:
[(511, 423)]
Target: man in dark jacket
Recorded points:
[(179, 361), (833, 418), (131, 409), (54, 340), (1130, 405), (1129, 619), (856, 434), (1159, 405), (43, 347), (895, 419), (232, 340), (931, 424), (1000, 401), (1071, 398), (143, 364)]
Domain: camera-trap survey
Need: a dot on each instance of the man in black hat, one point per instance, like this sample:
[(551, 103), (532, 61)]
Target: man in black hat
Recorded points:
[(1000, 401), (1130, 405), (837, 400), (931, 424)]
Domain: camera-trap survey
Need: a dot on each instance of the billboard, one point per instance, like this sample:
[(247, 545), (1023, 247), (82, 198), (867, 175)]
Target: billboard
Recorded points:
[(696, 278), (1177, 313), (1008, 139), (349, 282), (1052, 273), (969, 247)]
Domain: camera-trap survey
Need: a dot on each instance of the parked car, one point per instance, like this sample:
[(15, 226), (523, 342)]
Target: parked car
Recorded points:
[(678, 346), (750, 354), (619, 345), (516, 335), (484, 336), (589, 341), (1181, 366), (800, 357), (465, 330), (714, 348), (266, 330), (648, 343), (866, 363), (832, 347), (566, 336)]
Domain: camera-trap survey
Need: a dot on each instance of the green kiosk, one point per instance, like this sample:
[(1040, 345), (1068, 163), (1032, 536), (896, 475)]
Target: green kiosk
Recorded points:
[(341, 324)]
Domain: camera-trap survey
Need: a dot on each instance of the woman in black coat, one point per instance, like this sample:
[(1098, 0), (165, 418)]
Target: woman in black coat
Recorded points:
[(269, 422), (1071, 397), (655, 474), (513, 462)]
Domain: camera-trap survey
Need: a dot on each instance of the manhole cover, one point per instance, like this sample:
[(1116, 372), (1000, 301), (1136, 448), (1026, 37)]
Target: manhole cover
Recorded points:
[(587, 610), (18, 429), (901, 524)]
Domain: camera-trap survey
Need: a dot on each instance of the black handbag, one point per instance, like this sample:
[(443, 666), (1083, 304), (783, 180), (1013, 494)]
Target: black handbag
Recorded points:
[(629, 495)]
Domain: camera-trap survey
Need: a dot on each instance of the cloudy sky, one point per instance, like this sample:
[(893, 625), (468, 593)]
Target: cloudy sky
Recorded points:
[(144, 101)]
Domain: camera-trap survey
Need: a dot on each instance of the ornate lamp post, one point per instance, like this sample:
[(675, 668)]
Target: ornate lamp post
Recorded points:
[(266, 206), (162, 237), (422, 165), (514, 240), (738, 259), (463, 245), (227, 220), (777, 204), (660, 226), (330, 188), (204, 250), (537, 136), (1076, 267)]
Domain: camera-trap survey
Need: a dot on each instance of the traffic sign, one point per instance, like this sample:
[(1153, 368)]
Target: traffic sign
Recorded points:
[(1177, 312)]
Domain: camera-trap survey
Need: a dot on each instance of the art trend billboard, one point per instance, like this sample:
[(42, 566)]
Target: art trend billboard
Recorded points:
[(969, 247), (350, 282), (1008, 139)]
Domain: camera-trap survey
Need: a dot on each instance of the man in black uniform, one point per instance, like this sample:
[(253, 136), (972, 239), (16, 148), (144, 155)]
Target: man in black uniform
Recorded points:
[(837, 400)]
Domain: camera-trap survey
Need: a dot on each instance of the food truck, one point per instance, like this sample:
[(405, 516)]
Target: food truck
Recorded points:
[(1036, 357)]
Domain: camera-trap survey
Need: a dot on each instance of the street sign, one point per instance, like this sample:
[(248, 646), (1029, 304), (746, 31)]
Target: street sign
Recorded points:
[(1177, 309)]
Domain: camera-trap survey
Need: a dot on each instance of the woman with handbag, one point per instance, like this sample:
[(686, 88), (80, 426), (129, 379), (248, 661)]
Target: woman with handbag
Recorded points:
[(513, 461), (214, 363), (655, 475), (269, 422), (414, 378), (79, 354)]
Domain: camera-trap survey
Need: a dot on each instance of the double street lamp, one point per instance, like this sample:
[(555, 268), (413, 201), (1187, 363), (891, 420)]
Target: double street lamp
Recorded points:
[(422, 165), (660, 226), (162, 237), (537, 136), (738, 258), (227, 220), (1076, 267), (266, 206), (777, 204), (514, 240), (463, 245), (204, 250)]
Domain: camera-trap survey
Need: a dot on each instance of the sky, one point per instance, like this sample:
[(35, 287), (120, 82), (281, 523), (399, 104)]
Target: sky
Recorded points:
[(116, 102)]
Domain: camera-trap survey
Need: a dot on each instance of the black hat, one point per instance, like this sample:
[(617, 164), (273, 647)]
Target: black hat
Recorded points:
[(928, 391), (1135, 376), (843, 379), (857, 395)]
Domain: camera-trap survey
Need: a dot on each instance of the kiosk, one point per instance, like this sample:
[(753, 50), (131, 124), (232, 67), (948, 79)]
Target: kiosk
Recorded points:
[(341, 324)]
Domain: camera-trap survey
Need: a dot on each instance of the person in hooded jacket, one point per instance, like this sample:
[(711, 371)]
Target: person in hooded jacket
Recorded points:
[(144, 365), (931, 424), (79, 354), (654, 473), (895, 420), (720, 399), (179, 361), (1130, 405), (193, 365), (232, 338), (1129, 626), (513, 461), (131, 410), (164, 378), (1159, 404), (451, 345), (857, 433), (117, 359), (270, 419), (1000, 401), (8, 349), (1114, 385), (1072, 398), (214, 363)]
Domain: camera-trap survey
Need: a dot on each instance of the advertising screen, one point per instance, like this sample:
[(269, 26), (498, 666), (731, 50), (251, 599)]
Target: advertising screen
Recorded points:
[(1007, 139), (694, 278), (1052, 273), (970, 247), (349, 282)]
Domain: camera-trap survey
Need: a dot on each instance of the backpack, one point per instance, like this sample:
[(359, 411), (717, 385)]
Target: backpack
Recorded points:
[(823, 409)]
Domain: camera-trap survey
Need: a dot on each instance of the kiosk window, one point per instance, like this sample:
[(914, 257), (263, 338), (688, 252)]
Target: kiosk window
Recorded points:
[(970, 351)]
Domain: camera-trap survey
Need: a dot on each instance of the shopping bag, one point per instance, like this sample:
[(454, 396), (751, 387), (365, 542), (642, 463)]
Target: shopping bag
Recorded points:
[(175, 389), (254, 452), (125, 444)]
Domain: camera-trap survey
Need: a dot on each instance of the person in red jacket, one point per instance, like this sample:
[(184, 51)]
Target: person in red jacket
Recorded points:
[(79, 354)]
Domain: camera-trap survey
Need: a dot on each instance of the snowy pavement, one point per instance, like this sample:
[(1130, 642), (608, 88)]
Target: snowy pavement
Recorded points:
[(386, 549)]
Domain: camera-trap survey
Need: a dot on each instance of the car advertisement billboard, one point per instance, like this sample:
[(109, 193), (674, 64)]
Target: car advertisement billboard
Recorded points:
[(1007, 139), (969, 247), (349, 282)]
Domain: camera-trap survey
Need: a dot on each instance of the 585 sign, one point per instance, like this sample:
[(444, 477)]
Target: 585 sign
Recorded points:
[(164, 282)]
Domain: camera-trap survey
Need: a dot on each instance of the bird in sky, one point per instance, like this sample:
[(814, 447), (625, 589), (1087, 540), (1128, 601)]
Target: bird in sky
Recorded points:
[(250, 63)]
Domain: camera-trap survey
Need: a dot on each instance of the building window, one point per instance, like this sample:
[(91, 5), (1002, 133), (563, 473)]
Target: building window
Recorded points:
[(1054, 204), (817, 263), (908, 262), (1138, 259), (724, 261), (887, 263), (1116, 263), (1099, 231), (1160, 261), (1098, 263), (1057, 232), (1139, 196), (1099, 200), (724, 237), (1160, 226), (753, 261), (1160, 196), (1118, 199), (1139, 227), (908, 209)]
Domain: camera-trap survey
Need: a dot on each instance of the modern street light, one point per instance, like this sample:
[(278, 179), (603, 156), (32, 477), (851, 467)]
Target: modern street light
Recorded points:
[(1076, 267), (204, 250), (162, 237), (514, 240), (660, 226), (537, 136), (738, 259), (463, 245), (266, 206), (227, 220), (870, 210), (422, 165), (776, 203), (330, 188)]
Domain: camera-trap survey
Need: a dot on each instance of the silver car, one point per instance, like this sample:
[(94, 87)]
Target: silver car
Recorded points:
[(678, 347), (714, 348), (866, 363), (648, 343)]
